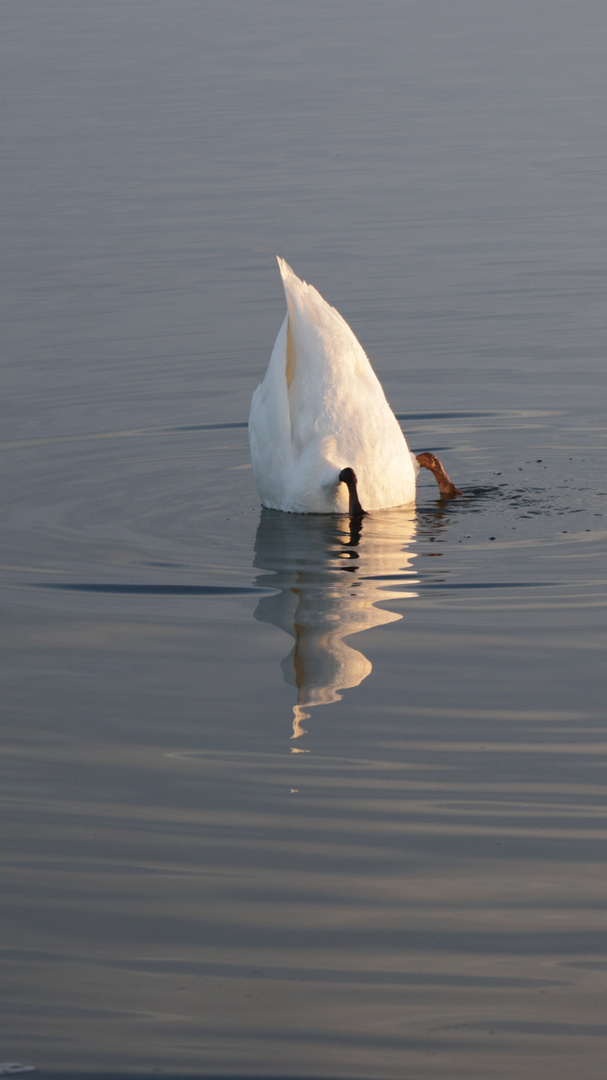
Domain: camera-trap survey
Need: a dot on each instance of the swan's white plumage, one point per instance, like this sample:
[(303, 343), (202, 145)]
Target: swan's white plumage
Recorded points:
[(319, 409)]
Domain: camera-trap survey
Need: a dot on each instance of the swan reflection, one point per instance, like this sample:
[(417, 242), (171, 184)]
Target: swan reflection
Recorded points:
[(331, 573)]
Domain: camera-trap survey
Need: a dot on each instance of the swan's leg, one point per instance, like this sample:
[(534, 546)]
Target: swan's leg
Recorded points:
[(431, 462), (348, 477)]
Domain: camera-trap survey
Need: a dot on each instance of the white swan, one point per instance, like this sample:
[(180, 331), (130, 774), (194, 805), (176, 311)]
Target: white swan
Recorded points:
[(323, 437)]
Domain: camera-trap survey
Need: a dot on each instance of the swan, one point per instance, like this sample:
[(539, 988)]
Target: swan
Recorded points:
[(323, 438)]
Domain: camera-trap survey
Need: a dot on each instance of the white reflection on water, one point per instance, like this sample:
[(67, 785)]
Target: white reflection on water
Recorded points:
[(330, 574)]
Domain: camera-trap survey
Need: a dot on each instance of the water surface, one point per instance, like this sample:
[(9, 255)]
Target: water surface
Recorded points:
[(283, 797)]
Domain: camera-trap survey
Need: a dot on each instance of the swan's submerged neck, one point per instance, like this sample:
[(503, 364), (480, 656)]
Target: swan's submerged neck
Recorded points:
[(348, 477)]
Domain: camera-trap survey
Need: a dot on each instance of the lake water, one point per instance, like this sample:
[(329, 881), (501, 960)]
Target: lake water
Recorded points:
[(281, 798)]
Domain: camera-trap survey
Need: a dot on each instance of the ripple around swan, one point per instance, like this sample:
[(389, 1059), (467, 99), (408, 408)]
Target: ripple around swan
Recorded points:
[(119, 589)]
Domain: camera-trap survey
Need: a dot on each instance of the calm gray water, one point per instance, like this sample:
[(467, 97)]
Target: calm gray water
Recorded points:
[(280, 799)]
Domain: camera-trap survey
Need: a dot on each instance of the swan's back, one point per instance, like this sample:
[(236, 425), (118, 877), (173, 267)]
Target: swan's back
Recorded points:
[(319, 409)]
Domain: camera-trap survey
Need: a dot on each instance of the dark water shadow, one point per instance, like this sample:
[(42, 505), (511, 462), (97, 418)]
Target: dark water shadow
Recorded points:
[(124, 1074), (228, 426), (147, 590)]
